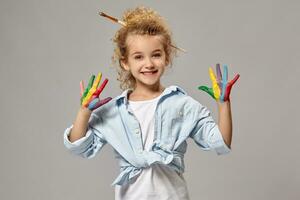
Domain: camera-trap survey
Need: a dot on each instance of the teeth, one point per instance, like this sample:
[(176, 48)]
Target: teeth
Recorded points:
[(149, 72)]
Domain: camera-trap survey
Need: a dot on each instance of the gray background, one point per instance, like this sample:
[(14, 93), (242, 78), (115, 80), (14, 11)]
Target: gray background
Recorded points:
[(47, 47)]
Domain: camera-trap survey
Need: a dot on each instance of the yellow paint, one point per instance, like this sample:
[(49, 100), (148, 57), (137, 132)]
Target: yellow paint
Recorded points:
[(215, 85)]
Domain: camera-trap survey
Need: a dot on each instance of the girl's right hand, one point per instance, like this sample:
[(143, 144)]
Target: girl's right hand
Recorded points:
[(89, 97)]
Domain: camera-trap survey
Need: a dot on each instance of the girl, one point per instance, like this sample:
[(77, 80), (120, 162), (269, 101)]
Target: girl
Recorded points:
[(148, 124)]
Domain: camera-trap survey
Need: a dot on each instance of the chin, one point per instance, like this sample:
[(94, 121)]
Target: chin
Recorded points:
[(148, 83)]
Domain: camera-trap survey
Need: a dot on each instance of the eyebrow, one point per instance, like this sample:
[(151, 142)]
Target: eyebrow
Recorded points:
[(138, 52)]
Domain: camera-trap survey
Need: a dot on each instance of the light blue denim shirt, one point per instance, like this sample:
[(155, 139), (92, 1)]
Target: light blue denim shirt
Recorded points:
[(177, 118)]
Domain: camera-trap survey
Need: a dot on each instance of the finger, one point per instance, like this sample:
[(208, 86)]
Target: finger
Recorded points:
[(91, 81), (96, 83), (215, 85), (224, 82), (100, 89), (229, 86), (203, 88), (207, 90), (219, 76), (225, 74), (96, 103), (84, 94), (81, 88), (104, 101), (212, 75), (232, 82), (219, 73)]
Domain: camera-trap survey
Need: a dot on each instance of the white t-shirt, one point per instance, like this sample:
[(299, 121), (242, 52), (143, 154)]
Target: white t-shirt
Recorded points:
[(157, 181)]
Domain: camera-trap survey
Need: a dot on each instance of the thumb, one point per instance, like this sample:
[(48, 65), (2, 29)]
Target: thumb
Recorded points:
[(96, 103), (207, 90)]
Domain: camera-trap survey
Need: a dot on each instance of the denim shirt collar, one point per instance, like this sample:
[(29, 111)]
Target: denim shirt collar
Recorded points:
[(167, 91)]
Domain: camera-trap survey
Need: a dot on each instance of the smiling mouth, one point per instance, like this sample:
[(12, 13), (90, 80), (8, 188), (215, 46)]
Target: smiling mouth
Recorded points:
[(149, 72)]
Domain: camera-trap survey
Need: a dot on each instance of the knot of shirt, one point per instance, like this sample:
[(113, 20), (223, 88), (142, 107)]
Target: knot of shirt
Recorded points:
[(159, 153)]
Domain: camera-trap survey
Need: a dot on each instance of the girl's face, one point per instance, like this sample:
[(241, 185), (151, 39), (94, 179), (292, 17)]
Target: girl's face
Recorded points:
[(146, 59)]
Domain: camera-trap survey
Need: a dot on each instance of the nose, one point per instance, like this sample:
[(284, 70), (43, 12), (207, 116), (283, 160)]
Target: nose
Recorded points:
[(149, 63)]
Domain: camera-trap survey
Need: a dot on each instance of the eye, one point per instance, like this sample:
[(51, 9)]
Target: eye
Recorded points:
[(157, 55), (137, 57)]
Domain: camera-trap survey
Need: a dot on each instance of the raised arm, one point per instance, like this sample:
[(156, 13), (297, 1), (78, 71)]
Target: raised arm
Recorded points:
[(89, 101), (220, 91)]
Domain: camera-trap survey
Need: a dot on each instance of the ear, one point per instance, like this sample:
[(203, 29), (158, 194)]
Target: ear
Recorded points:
[(167, 60), (124, 64)]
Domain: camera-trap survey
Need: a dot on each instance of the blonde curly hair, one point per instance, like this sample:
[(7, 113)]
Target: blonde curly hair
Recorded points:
[(140, 21)]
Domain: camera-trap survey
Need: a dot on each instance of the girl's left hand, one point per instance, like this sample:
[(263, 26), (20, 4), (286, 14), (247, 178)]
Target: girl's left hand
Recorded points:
[(221, 88)]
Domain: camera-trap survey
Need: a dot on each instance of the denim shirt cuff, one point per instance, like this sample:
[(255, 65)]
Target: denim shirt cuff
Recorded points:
[(80, 145), (219, 145), (222, 149)]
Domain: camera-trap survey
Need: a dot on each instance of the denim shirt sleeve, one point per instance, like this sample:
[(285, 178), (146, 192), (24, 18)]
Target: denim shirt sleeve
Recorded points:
[(90, 144), (206, 133)]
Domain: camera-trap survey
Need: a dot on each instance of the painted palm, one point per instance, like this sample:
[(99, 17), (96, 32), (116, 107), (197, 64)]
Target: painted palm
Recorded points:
[(221, 87), (89, 97)]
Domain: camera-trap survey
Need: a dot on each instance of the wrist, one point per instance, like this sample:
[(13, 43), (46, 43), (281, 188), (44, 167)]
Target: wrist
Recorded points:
[(85, 111), (222, 104)]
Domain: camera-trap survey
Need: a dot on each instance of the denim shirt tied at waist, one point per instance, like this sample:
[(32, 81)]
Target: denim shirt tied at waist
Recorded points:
[(177, 118)]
